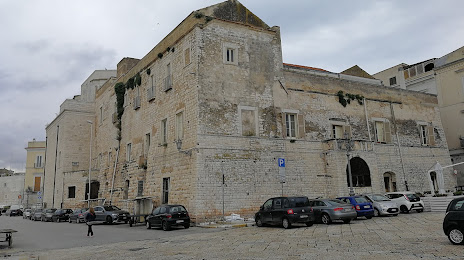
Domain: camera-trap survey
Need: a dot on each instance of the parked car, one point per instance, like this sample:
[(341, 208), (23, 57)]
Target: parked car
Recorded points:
[(47, 215), (406, 201), (61, 214), (110, 214), (453, 223), (13, 212), (167, 216), (383, 206), (78, 215), (363, 207), (285, 211), (36, 214), (328, 210), (27, 213)]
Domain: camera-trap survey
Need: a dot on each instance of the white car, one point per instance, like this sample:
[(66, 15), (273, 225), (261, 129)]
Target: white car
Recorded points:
[(406, 201), (27, 213)]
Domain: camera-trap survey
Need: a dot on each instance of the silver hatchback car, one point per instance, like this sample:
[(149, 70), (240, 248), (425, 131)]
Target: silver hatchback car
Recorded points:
[(383, 206)]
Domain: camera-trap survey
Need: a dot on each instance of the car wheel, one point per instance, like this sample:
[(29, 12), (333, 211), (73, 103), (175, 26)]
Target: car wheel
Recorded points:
[(347, 221), (109, 220), (309, 224), (404, 209), (165, 226), (456, 236), (187, 225), (259, 222), (326, 219), (376, 213), (69, 220), (78, 220), (286, 224), (368, 217), (148, 225)]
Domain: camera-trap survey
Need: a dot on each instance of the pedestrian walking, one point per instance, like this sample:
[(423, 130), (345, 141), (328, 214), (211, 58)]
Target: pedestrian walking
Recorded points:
[(89, 218)]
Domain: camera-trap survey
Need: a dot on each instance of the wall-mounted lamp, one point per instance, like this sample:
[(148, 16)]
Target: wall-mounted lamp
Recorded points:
[(179, 147)]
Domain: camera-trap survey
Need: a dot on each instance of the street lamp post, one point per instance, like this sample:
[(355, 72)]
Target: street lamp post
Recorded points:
[(348, 149), (90, 159)]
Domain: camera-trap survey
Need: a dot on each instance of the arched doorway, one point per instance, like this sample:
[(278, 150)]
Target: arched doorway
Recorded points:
[(359, 172), (389, 179), (433, 179)]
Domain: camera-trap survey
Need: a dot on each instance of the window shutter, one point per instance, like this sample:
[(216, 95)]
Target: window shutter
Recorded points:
[(431, 137), (284, 126), (347, 129), (301, 126), (387, 132)]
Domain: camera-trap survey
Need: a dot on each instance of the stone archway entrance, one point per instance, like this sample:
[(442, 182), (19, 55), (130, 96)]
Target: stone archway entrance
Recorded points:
[(360, 173), (389, 179)]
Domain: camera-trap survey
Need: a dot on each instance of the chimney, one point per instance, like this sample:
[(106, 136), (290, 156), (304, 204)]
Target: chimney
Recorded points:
[(125, 65)]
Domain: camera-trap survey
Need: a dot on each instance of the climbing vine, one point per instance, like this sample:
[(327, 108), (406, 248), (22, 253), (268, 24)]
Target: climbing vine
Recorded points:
[(345, 99), (120, 90)]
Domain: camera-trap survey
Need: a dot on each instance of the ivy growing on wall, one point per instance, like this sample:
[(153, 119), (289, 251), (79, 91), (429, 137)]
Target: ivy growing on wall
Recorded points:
[(120, 90), (138, 79), (346, 98)]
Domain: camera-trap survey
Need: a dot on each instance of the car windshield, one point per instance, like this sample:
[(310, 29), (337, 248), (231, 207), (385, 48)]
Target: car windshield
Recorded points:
[(111, 208), (412, 196), (38, 210), (50, 210), (299, 202), (360, 200), (177, 209), (379, 198), (336, 202), (28, 210)]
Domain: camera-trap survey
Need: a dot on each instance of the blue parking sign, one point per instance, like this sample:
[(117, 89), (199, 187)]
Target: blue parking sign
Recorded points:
[(281, 162)]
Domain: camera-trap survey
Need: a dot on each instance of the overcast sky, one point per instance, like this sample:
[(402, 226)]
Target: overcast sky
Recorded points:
[(49, 47)]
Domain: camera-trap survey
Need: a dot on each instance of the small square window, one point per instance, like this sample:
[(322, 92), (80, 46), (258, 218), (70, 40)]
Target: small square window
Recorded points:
[(392, 81)]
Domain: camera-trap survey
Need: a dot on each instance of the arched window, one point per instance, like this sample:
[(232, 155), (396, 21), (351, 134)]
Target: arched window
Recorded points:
[(360, 173)]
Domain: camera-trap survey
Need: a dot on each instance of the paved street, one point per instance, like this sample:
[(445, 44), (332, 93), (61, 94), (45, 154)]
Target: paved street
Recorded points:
[(410, 236)]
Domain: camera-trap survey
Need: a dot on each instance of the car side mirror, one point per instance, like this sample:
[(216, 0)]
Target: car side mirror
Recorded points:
[(261, 208)]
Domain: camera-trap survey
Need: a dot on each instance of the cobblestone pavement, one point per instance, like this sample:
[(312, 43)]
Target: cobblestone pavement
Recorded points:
[(408, 236)]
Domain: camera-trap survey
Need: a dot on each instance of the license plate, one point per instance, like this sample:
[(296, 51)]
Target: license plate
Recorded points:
[(367, 207), (347, 209), (179, 221), (394, 210), (417, 205), (303, 216)]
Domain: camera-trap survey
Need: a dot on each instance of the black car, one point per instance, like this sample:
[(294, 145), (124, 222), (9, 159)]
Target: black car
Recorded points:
[(167, 216), (61, 214), (453, 224), (285, 211), (13, 212)]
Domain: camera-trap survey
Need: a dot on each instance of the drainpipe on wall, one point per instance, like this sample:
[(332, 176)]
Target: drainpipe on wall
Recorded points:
[(114, 172), (399, 146), (56, 158), (42, 185)]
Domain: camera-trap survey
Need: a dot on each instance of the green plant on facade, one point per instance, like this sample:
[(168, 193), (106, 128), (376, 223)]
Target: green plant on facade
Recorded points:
[(160, 55), (198, 15), (345, 99), (148, 71), (120, 90), (130, 84), (138, 79)]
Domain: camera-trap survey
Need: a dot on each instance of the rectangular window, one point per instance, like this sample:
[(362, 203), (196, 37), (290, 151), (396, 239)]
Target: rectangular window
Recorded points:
[(166, 184), (164, 132), (151, 89), (168, 79), (71, 192), (427, 134), (382, 131), (147, 144), (337, 131), (412, 71), (230, 53), (38, 162), (392, 81), (290, 125), (140, 189), (180, 126), (128, 152)]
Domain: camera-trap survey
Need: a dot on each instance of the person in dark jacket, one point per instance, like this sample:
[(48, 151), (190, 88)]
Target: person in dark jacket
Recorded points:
[(89, 217)]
